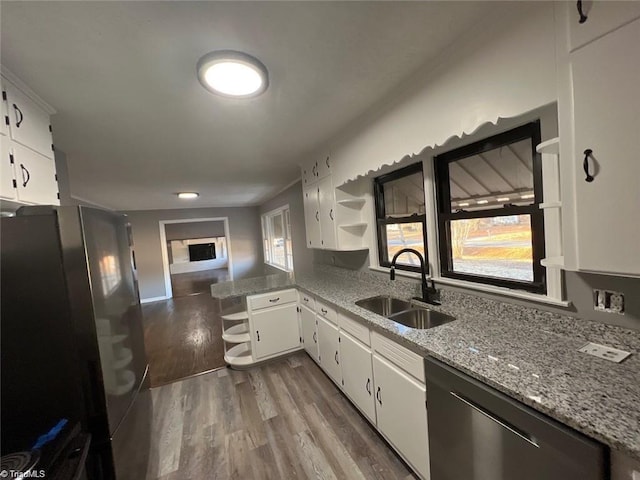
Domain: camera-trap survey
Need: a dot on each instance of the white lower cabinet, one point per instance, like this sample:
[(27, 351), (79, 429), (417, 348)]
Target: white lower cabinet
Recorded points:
[(401, 413), (274, 330), (308, 323), (329, 349), (357, 374)]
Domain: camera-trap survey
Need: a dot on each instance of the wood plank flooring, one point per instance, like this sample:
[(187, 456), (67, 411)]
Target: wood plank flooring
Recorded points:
[(197, 283), (183, 337), (283, 420)]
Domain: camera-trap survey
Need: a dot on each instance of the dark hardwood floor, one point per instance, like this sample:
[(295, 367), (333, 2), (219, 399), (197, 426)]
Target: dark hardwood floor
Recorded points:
[(182, 337), (283, 420), (196, 283)]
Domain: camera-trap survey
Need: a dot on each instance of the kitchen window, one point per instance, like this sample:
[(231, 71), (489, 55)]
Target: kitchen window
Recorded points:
[(276, 238), (400, 216), (491, 229)]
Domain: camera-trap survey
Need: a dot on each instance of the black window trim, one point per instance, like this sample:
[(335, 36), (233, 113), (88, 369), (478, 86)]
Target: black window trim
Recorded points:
[(382, 220), (443, 198)]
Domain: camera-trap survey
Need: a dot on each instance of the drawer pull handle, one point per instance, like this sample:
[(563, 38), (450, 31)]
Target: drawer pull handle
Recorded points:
[(327, 162), (258, 335), (335, 357), (317, 216), (274, 300), (583, 17), (368, 386), (26, 179), (331, 214), (378, 396), (315, 338), (503, 424), (324, 311), (18, 119), (585, 165)]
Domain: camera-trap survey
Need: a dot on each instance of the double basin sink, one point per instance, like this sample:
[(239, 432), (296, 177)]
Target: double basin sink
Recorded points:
[(404, 312)]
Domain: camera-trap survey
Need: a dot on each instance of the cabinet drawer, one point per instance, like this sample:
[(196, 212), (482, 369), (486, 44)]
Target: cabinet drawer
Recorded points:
[(307, 300), (264, 300), (327, 312), (407, 360), (355, 328)]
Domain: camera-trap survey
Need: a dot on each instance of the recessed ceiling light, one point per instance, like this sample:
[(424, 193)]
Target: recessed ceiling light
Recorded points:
[(503, 199), (232, 74), (188, 195), (526, 196), (464, 204), (483, 202)]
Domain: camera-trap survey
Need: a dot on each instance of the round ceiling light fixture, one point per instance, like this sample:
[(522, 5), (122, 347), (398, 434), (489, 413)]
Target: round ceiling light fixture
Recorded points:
[(232, 74), (188, 195)]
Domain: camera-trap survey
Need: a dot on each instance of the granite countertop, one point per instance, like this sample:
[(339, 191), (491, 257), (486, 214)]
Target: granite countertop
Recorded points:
[(528, 354)]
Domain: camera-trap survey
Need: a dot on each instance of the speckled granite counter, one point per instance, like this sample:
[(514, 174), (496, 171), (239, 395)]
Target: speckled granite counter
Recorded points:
[(529, 354), (250, 286)]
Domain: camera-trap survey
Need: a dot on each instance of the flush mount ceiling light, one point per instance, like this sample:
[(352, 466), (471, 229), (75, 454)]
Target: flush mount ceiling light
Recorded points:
[(232, 74), (188, 195)]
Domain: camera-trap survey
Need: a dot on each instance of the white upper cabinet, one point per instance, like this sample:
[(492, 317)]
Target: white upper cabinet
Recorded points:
[(602, 17), (326, 202), (35, 177), (606, 119), (312, 215), (8, 184), (333, 216), (4, 121), (28, 123)]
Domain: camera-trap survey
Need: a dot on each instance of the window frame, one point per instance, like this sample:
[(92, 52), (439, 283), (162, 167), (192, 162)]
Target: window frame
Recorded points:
[(268, 238), (444, 214), (382, 220)]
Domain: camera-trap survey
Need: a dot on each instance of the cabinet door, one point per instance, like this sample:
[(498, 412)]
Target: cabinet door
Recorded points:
[(28, 123), (607, 121), (328, 341), (326, 200), (7, 189), (324, 167), (35, 176), (357, 375), (309, 172), (602, 17), (312, 217), (309, 332), (275, 330), (402, 413), (4, 126)]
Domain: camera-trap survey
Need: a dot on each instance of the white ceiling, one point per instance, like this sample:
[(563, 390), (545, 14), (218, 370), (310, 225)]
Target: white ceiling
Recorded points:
[(137, 126)]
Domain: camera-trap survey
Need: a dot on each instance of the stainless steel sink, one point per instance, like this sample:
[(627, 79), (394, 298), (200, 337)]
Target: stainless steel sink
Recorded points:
[(421, 318), (404, 312), (384, 305)]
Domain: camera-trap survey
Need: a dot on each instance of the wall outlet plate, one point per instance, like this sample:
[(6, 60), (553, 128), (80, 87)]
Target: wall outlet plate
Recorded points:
[(602, 351)]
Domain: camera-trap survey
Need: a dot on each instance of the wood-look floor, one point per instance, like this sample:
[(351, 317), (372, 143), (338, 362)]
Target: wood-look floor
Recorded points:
[(283, 420), (182, 337), (197, 283)]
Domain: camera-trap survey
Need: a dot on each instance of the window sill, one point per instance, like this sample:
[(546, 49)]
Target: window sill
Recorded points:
[(279, 267), (507, 292)]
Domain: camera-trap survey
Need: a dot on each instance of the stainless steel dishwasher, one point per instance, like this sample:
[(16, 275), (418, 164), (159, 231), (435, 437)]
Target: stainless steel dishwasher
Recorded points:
[(478, 433)]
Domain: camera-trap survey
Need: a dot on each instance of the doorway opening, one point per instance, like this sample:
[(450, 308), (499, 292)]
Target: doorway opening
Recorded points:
[(196, 253)]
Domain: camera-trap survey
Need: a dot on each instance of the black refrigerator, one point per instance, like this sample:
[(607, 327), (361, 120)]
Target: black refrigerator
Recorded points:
[(72, 337)]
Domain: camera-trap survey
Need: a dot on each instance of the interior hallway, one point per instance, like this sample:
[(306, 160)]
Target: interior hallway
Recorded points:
[(183, 337)]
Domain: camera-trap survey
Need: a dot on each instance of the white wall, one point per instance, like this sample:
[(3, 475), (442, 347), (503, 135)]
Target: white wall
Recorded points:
[(180, 256), (503, 68)]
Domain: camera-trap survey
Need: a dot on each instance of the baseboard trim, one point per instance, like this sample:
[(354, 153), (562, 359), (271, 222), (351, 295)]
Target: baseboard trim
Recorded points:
[(153, 299)]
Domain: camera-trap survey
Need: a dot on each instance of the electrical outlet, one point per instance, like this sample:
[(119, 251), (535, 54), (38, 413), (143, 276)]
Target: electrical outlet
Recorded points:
[(602, 351), (608, 301)]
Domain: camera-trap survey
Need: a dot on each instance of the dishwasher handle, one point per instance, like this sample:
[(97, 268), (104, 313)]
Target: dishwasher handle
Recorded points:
[(500, 422)]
